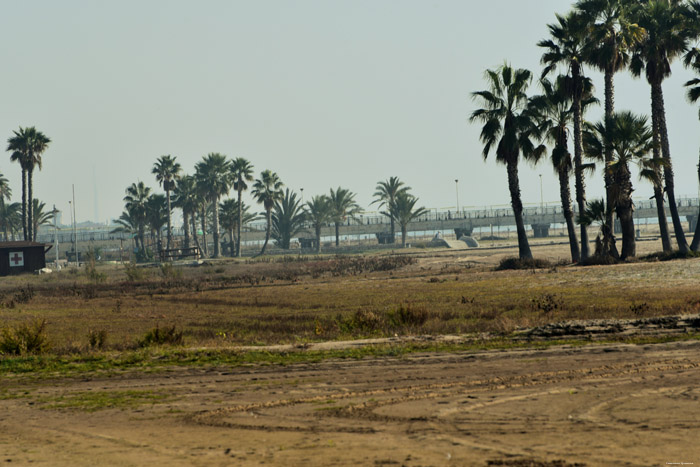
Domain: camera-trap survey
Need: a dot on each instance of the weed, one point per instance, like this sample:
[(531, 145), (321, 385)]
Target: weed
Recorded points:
[(27, 338), (134, 273), (166, 336), (408, 315), (91, 267), (23, 295), (169, 271), (639, 309)]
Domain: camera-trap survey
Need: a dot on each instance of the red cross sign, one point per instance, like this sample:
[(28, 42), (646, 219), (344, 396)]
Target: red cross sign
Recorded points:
[(16, 258)]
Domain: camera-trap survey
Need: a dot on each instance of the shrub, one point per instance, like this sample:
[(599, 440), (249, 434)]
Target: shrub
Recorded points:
[(27, 338), (523, 263), (134, 273), (97, 339), (545, 303), (670, 255), (166, 336), (169, 271), (408, 315)]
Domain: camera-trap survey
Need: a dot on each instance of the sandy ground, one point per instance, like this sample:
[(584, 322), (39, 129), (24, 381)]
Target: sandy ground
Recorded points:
[(594, 405)]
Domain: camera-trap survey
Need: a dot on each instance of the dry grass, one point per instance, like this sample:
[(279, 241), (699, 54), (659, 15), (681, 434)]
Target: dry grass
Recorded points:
[(325, 298)]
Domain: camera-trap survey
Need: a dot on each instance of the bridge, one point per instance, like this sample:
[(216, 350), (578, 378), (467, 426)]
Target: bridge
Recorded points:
[(538, 218)]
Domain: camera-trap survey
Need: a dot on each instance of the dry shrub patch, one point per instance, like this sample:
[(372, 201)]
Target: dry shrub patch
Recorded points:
[(523, 263), (23, 339)]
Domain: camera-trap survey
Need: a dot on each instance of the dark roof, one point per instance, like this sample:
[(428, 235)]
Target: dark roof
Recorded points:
[(20, 244)]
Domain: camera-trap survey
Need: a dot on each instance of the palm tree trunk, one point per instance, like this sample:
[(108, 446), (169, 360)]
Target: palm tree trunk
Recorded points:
[(217, 247), (337, 234), (578, 172), (565, 194), (194, 233), (625, 210), (30, 204), (657, 101), (170, 210), (658, 189), (232, 245), (4, 219), (608, 156), (24, 204), (696, 237), (240, 220), (186, 225), (403, 235), (318, 238), (393, 230), (268, 215), (203, 220), (516, 203)]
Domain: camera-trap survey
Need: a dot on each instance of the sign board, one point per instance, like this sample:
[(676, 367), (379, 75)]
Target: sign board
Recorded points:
[(16, 259)]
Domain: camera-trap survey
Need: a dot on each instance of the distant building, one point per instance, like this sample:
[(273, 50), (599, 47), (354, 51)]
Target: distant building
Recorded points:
[(19, 257)]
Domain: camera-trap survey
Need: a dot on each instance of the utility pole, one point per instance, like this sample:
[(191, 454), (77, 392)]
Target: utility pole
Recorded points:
[(75, 232), (541, 195), (457, 191), (55, 232)]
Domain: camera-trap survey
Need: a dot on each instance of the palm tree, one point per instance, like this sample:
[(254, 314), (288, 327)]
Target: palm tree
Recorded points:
[(186, 199), (213, 173), (229, 216), (386, 194), (267, 190), (666, 37), (566, 48), (136, 198), (508, 127), (611, 35), (343, 205), (631, 140), (39, 217), (597, 211), (10, 219), (403, 210), (287, 219), (554, 118), (319, 212), (27, 145), (167, 171), (5, 194), (242, 172)]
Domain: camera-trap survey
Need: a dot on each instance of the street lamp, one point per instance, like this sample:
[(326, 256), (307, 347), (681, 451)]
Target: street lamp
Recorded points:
[(541, 195), (457, 191)]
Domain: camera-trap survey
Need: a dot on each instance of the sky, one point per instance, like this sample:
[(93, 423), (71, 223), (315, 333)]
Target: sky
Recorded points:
[(325, 93)]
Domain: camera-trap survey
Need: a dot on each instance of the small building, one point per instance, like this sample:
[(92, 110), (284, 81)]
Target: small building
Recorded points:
[(19, 257)]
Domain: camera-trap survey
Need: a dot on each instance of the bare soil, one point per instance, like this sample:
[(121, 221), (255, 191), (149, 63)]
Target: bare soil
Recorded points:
[(593, 405)]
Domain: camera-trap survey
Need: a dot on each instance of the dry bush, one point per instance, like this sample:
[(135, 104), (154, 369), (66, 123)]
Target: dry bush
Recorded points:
[(27, 338), (97, 340), (523, 263), (165, 336)]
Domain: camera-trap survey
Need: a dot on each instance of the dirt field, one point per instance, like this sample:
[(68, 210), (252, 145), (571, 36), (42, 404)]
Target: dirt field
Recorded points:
[(596, 405), (530, 403)]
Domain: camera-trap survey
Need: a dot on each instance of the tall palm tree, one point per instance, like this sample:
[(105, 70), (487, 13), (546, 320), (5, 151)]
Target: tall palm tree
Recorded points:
[(566, 48), (214, 173), (666, 37), (403, 210), (631, 140), (509, 128), (343, 205), (167, 171), (385, 194), (554, 118), (319, 212), (267, 190), (27, 145), (5, 194), (39, 217), (229, 217), (288, 219), (136, 207), (611, 35), (242, 172)]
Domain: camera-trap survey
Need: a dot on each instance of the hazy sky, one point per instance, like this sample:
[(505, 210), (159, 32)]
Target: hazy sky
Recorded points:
[(325, 93)]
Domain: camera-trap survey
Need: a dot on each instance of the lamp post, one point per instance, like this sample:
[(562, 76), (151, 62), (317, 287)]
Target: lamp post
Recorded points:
[(541, 195), (457, 191)]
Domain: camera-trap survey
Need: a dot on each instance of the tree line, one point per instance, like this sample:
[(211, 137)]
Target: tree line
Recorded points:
[(200, 198), (643, 37)]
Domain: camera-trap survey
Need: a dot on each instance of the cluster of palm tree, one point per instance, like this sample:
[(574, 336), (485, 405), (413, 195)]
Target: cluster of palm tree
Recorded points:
[(642, 36), (199, 197), (26, 147)]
